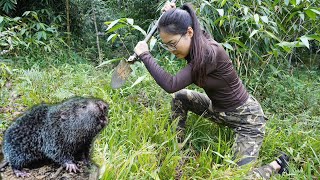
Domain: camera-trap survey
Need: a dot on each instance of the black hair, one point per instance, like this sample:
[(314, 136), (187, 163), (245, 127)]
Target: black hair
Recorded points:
[(176, 21)]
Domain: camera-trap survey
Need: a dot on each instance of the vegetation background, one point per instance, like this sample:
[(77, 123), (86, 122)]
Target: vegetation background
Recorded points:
[(53, 50)]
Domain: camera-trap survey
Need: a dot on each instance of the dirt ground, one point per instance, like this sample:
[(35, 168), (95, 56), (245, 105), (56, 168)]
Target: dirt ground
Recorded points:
[(51, 171)]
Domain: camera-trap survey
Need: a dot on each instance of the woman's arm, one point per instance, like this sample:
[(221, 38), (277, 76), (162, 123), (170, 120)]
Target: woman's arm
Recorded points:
[(165, 80)]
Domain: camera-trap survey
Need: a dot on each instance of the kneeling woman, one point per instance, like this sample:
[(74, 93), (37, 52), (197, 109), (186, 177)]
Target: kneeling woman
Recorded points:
[(226, 100)]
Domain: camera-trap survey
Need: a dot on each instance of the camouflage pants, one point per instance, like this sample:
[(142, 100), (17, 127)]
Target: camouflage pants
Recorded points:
[(247, 121)]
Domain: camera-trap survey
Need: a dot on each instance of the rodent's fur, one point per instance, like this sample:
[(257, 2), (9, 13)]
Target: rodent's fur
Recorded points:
[(61, 133)]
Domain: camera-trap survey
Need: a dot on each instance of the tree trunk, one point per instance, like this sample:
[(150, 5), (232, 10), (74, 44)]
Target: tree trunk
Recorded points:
[(68, 21), (97, 36)]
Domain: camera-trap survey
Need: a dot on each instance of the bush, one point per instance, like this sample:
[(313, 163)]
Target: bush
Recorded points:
[(27, 32), (262, 31)]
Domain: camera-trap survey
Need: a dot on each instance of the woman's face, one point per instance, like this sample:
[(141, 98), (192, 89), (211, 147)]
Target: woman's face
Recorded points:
[(178, 44)]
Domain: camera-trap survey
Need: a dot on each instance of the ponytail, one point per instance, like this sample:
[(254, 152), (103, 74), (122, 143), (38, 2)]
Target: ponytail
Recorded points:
[(177, 21)]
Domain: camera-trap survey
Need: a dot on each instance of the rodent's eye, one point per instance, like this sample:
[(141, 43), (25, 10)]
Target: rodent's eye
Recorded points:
[(83, 106)]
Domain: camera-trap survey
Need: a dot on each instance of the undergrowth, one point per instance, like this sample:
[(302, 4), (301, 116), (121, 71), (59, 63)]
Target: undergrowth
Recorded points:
[(139, 142)]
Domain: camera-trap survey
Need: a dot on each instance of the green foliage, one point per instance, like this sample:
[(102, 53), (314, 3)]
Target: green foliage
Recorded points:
[(119, 24), (143, 11), (52, 14), (27, 32), (13, 8), (257, 31), (123, 31), (5, 74), (7, 5), (84, 15), (292, 101), (139, 142)]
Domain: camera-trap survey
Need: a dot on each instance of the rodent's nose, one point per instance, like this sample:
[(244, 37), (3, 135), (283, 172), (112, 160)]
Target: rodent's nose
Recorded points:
[(103, 106)]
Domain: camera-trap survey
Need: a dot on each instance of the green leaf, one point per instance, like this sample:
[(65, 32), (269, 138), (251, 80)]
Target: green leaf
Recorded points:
[(42, 26), (311, 14), (230, 161), (314, 37), (112, 24), (285, 46), (47, 48), (111, 37), (8, 6), (138, 81), (228, 46), (246, 10), (286, 2), (292, 15), (123, 20), (253, 33), (265, 19), (274, 70), (315, 11), (130, 21), (272, 35), (109, 62), (301, 15), (259, 2), (288, 46), (116, 27), (256, 18), (206, 3), (223, 3), (39, 35), (38, 26), (140, 29), (293, 2), (1, 19), (26, 13), (152, 43), (221, 22), (220, 155), (44, 35), (238, 42), (52, 30), (16, 19), (275, 2), (221, 12), (35, 15), (305, 41), (23, 30), (4, 44)]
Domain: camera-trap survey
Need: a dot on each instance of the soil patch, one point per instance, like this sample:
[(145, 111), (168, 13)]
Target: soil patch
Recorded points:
[(51, 171)]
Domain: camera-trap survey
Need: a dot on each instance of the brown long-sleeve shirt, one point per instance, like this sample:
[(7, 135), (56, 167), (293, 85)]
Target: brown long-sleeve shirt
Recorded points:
[(222, 84)]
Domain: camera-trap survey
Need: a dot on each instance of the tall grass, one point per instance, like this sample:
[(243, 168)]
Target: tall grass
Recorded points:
[(139, 142)]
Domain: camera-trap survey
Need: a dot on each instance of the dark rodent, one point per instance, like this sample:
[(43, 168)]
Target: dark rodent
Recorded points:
[(61, 133)]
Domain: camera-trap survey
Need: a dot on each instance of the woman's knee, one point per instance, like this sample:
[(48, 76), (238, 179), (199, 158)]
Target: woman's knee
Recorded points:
[(181, 95)]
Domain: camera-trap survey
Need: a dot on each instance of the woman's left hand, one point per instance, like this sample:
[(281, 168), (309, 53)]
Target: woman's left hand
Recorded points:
[(168, 6), (141, 47)]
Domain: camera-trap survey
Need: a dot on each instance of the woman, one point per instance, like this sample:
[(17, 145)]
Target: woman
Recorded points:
[(226, 100)]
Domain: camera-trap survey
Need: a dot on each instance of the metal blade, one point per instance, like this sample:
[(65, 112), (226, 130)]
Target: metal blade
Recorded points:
[(123, 70), (120, 74)]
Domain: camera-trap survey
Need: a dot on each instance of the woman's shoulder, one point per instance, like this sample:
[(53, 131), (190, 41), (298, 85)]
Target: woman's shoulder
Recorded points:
[(218, 50)]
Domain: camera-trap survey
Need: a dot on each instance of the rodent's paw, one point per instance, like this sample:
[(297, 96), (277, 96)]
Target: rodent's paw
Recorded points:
[(86, 161), (21, 173), (71, 167)]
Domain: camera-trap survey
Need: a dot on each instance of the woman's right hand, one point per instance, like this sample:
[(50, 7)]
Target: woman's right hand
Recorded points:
[(168, 6), (141, 47)]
